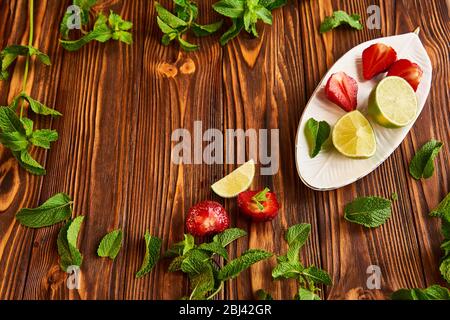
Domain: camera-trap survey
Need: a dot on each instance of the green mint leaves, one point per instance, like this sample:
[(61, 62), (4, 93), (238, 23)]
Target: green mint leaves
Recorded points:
[(110, 245), (443, 212), (339, 18), (152, 252), (290, 267), (67, 244), (434, 292), (317, 133), (105, 28), (422, 165), (56, 209), (205, 274), (10, 54), (244, 14), (370, 212), (175, 25), (443, 209)]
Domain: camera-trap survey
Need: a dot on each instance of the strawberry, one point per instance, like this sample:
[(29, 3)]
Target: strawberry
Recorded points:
[(207, 218), (258, 205), (376, 59), (407, 70), (342, 90)]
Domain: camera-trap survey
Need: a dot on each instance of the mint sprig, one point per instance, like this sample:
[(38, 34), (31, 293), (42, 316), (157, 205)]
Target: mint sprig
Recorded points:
[(245, 14), (110, 245), (317, 133), (434, 292), (422, 165), (10, 54), (370, 212), (67, 244), (56, 209), (339, 18), (152, 253), (178, 24), (443, 212)]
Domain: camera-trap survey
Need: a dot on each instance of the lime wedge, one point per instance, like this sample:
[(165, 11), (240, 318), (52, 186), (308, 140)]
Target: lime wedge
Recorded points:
[(353, 136), (236, 182), (393, 103)]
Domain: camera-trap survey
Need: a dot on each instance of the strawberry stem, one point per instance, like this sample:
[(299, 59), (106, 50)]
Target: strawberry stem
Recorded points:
[(260, 197)]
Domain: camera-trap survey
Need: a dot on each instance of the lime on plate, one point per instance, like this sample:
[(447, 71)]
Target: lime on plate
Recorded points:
[(393, 103), (353, 136), (236, 182)]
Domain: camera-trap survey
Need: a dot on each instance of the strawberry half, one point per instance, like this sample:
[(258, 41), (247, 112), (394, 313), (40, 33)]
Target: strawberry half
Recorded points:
[(258, 205), (407, 70), (376, 59), (207, 218), (343, 91)]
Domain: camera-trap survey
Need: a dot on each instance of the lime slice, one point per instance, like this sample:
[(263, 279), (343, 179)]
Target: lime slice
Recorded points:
[(236, 182), (393, 103), (353, 136)]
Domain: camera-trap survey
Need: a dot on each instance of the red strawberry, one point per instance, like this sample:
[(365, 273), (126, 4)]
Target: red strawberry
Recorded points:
[(407, 70), (207, 218), (376, 59), (342, 90), (258, 205)]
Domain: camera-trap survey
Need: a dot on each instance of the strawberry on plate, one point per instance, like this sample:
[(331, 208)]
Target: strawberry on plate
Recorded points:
[(207, 218), (343, 91), (407, 70), (376, 59), (258, 205)]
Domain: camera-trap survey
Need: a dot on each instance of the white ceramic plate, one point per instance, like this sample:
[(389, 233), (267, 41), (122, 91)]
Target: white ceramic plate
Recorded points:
[(330, 170)]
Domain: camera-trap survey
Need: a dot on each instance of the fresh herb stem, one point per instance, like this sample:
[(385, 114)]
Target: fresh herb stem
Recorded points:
[(27, 61), (216, 292)]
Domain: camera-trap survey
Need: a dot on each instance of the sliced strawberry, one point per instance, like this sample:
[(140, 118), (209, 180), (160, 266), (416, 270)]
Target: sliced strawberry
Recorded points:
[(343, 91), (258, 205), (407, 70), (376, 59), (207, 218)]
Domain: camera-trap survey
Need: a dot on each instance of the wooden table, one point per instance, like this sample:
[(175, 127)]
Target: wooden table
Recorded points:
[(121, 104)]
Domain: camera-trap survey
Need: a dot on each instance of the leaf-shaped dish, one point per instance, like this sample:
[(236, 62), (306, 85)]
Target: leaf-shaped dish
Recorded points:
[(330, 170)]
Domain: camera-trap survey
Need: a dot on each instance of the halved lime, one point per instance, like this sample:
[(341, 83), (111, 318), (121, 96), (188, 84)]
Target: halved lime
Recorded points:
[(393, 103), (236, 182), (353, 136)]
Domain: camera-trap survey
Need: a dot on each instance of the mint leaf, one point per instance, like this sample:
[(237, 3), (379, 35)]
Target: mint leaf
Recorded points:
[(152, 251), (206, 30), (28, 125), (434, 292), (195, 262), (340, 18), (235, 29), (202, 283), (287, 270), (215, 248), (15, 141), (230, 8), (42, 138), (236, 266), (422, 165), (263, 295), (185, 45), (56, 209), (296, 237), (317, 275), (67, 244), (317, 133), (444, 268), (229, 235), (443, 208), (10, 122), (370, 212), (27, 162), (110, 245), (168, 17), (182, 247), (272, 4), (35, 105), (10, 54), (304, 294)]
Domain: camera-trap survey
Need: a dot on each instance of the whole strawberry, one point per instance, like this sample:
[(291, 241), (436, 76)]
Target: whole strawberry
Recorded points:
[(207, 218), (259, 205)]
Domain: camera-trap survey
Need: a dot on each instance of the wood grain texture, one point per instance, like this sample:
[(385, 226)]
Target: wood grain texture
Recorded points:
[(121, 104)]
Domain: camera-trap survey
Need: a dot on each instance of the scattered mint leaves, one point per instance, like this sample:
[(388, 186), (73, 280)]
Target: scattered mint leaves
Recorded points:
[(370, 212), (434, 292), (339, 18), (422, 165), (152, 252), (290, 267), (317, 133), (105, 28), (10, 54), (443, 208), (176, 25), (110, 245), (67, 244), (443, 212), (205, 273), (245, 14), (56, 209)]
